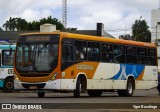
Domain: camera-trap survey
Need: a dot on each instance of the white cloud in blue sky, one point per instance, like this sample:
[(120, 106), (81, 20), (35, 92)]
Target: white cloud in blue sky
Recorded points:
[(82, 14)]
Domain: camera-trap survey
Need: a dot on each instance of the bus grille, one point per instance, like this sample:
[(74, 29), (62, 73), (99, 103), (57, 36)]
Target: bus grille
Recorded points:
[(33, 75), (39, 86)]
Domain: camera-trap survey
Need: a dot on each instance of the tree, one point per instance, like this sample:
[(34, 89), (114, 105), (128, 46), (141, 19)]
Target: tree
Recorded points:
[(35, 25), (73, 29), (59, 25), (10, 24), (140, 31), (21, 24)]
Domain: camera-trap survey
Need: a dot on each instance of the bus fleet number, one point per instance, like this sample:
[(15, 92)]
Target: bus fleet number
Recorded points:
[(10, 71)]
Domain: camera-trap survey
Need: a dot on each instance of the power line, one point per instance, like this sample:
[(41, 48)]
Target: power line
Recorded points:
[(127, 29)]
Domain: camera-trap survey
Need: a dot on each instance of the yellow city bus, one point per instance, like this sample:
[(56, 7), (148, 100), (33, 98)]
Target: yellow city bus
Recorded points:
[(60, 61)]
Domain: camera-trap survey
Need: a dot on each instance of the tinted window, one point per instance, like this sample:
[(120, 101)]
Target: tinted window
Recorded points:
[(7, 58), (81, 50), (106, 52), (93, 51), (131, 54)]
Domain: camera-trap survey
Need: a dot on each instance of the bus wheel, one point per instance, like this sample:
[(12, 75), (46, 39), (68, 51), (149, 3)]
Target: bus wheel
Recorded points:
[(8, 85), (78, 88), (130, 88), (41, 94), (94, 93)]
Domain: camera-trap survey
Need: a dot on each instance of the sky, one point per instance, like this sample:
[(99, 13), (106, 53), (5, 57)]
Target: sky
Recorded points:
[(116, 15)]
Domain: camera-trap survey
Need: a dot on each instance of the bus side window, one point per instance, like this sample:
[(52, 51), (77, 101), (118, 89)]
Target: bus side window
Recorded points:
[(93, 51), (106, 52), (67, 53), (7, 59), (119, 53), (151, 59), (81, 50), (142, 55), (131, 54)]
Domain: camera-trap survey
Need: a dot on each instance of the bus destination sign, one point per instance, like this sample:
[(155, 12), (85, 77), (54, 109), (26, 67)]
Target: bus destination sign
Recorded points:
[(38, 38)]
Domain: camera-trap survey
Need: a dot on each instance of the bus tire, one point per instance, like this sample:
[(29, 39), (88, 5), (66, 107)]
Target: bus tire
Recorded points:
[(8, 86), (130, 88), (94, 93), (77, 91), (41, 94)]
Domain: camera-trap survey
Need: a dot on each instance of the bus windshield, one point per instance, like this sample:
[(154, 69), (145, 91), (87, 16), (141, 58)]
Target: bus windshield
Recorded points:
[(36, 56)]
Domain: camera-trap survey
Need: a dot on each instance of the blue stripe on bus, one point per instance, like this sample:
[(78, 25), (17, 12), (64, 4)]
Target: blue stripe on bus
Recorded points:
[(6, 67), (1, 82), (127, 69), (7, 47)]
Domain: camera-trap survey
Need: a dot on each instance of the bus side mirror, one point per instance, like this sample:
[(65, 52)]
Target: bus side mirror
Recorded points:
[(10, 51)]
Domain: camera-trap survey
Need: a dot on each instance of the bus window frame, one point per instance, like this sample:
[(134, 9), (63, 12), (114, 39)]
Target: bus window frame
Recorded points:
[(85, 53), (143, 56), (2, 57), (106, 52), (71, 43), (94, 60), (154, 57), (119, 55), (131, 54)]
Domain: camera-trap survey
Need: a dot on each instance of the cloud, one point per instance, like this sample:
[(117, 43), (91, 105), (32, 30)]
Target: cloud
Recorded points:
[(115, 14), (82, 14)]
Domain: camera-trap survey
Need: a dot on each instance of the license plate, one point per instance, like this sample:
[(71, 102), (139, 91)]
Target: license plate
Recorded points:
[(32, 87)]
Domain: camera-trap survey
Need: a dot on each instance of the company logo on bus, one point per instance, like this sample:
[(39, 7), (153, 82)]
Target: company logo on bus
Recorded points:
[(85, 67)]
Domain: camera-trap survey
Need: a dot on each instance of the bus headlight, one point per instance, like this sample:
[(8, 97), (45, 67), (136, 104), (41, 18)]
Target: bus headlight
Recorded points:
[(54, 76), (16, 78)]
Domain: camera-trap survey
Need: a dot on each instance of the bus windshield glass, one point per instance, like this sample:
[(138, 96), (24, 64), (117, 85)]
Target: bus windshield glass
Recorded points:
[(37, 56)]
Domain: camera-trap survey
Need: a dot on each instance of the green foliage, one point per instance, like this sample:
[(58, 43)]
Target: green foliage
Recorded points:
[(73, 29), (20, 24), (15, 24), (10, 24), (140, 31), (35, 25)]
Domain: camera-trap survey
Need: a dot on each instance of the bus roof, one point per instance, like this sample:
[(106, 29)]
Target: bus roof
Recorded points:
[(109, 40), (96, 38)]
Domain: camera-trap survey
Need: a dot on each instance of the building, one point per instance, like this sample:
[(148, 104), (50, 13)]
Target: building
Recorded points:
[(155, 30), (12, 35), (155, 24)]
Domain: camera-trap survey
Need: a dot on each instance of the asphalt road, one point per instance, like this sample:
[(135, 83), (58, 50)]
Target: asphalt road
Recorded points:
[(62, 102)]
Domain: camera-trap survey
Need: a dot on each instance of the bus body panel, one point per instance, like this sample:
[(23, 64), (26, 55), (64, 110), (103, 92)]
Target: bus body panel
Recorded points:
[(105, 77), (5, 70), (99, 75)]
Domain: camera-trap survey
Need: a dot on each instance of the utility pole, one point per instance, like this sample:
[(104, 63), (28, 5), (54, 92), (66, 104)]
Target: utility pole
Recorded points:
[(156, 36), (159, 4), (64, 13)]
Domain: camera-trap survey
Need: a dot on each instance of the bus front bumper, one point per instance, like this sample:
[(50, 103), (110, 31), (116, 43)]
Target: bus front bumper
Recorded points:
[(50, 85), (60, 84)]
